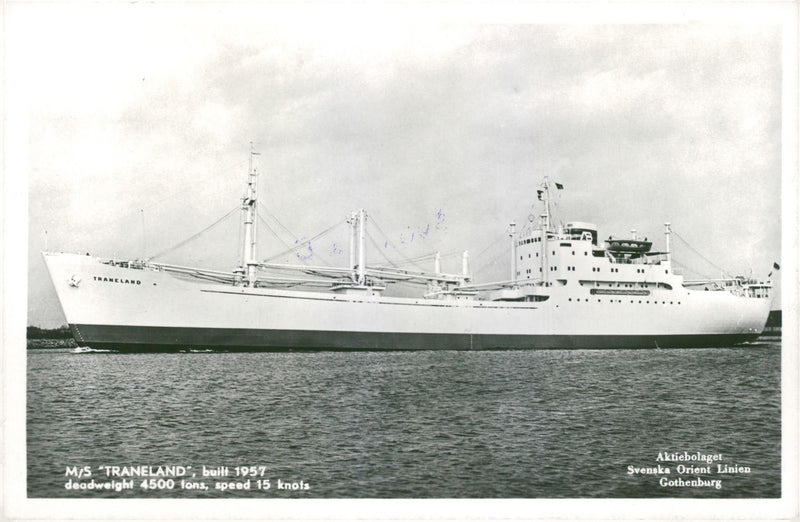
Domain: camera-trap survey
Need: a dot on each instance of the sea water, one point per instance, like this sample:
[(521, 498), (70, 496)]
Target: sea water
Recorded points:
[(431, 424)]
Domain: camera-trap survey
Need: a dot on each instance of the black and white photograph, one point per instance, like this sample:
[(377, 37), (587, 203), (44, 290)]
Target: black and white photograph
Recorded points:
[(440, 261)]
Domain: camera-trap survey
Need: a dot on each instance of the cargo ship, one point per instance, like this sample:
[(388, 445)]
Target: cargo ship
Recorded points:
[(566, 289)]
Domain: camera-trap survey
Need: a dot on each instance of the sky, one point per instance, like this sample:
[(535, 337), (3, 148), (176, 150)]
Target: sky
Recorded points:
[(140, 119)]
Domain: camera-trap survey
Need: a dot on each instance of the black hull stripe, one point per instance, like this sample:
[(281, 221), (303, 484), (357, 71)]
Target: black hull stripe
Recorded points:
[(152, 338)]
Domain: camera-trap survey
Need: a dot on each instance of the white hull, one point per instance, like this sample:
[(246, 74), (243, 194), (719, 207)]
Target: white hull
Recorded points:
[(112, 306)]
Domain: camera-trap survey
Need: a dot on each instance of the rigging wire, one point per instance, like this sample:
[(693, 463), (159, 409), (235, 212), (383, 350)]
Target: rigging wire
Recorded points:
[(391, 244), (288, 246), (704, 258), (267, 212), (426, 257), (302, 244), (490, 262), (274, 234), (690, 270), (285, 229), (492, 244), (380, 250), (75, 236), (195, 236)]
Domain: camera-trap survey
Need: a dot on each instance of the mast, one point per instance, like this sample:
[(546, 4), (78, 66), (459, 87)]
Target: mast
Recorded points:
[(545, 227), (352, 221), (513, 234), (547, 202), (667, 234), (249, 205), (362, 246), (545, 261)]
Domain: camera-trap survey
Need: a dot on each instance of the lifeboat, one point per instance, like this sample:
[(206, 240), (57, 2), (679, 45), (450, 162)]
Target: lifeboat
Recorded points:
[(624, 246)]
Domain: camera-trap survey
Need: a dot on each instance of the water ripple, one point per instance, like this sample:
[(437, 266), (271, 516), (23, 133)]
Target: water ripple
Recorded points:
[(418, 424)]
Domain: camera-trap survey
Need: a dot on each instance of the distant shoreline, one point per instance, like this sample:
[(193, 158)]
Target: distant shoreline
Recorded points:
[(61, 344), (52, 338), (51, 344)]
